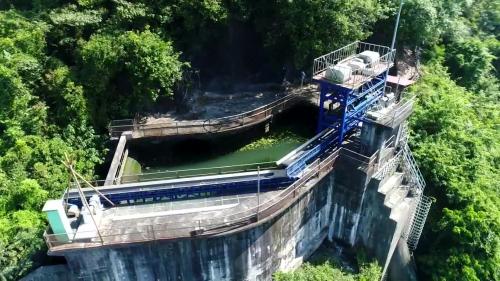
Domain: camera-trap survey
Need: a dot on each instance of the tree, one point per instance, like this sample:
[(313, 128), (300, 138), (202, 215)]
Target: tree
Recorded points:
[(32, 144), (301, 30), (470, 62), (456, 145), (129, 71)]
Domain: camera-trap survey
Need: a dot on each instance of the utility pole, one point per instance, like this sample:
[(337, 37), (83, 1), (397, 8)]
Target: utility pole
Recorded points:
[(394, 35), (397, 25)]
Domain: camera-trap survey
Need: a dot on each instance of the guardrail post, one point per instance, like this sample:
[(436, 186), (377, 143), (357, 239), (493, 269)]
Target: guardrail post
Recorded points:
[(152, 231), (258, 191)]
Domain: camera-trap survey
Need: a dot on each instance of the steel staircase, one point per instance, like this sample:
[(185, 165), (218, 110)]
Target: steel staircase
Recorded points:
[(404, 159), (414, 176)]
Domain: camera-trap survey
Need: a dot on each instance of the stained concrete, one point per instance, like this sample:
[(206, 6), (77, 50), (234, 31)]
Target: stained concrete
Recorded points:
[(348, 205), (280, 244)]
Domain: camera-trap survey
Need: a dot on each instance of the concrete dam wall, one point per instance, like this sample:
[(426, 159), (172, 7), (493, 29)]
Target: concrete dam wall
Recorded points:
[(366, 199), (280, 244), (347, 205)]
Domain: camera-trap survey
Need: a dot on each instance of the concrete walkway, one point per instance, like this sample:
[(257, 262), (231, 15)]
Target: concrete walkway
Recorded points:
[(262, 107)]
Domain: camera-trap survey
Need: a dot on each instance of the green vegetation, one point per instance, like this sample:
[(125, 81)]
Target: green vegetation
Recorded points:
[(329, 272), (322, 266), (282, 136), (455, 140), (43, 115), (67, 67), (131, 170), (456, 143)]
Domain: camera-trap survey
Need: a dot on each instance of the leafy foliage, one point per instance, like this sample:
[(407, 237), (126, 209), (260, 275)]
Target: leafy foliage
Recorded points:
[(133, 69), (32, 144), (306, 29), (330, 272), (68, 67), (456, 145), (273, 139), (470, 62)]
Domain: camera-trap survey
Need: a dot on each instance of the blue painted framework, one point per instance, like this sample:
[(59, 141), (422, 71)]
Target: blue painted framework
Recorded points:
[(353, 105), (187, 192), (311, 152)]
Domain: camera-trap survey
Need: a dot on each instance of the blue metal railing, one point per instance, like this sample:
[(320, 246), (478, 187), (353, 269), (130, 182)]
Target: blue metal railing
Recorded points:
[(329, 139)]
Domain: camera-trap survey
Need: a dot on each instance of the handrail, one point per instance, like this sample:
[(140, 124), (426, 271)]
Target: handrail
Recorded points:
[(263, 211), (208, 125), (389, 167), (163, 175), (415, 173), (347, 52), (219, 169)]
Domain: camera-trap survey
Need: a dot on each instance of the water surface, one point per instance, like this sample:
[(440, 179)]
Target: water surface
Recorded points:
[(243, 151)]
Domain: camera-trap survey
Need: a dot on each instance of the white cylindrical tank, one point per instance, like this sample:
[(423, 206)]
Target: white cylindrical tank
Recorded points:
[(338, 73), (369, 57), (356, 64)]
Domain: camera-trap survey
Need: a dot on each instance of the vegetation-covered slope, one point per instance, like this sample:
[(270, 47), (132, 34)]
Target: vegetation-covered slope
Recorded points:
[(69, 66)]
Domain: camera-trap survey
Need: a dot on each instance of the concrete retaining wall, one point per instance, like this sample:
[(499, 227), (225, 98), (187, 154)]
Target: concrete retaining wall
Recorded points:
[(281, 244)]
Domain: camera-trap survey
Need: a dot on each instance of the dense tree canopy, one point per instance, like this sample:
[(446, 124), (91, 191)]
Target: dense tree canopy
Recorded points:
[(456, 144), (68, 67), (42, 116)]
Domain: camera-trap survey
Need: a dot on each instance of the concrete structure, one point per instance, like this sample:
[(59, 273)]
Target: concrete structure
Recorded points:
[(152, 127), (346, 202), (355, 184), (117, 164)]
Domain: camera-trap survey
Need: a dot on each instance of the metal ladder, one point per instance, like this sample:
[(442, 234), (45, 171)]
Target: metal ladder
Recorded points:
[(422, 206), (417, 222), (413, 173)]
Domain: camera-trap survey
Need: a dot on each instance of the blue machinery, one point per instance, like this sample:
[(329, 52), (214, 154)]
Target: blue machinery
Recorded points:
[(344, 101)]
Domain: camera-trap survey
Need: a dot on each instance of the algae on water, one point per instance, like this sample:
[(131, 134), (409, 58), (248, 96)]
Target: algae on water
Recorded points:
[(286, 136)]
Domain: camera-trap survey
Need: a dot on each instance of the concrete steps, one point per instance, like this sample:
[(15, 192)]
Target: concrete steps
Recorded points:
[(392, 182), (396, 195), (399, 212), (393, 193)]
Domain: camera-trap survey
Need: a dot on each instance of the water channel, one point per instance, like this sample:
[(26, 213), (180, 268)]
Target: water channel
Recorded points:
[(260, 146)]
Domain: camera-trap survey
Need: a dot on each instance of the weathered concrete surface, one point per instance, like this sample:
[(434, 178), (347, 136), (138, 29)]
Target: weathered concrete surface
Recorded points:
[(348, 205), (50, 273), (280, 244), (116, 163), (402, 266)]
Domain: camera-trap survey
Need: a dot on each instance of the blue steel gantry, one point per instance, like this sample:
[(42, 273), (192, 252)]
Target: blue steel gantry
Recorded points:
[(351, 79)]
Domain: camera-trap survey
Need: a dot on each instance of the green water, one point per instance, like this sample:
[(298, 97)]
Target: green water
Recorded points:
[(240, 152)]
